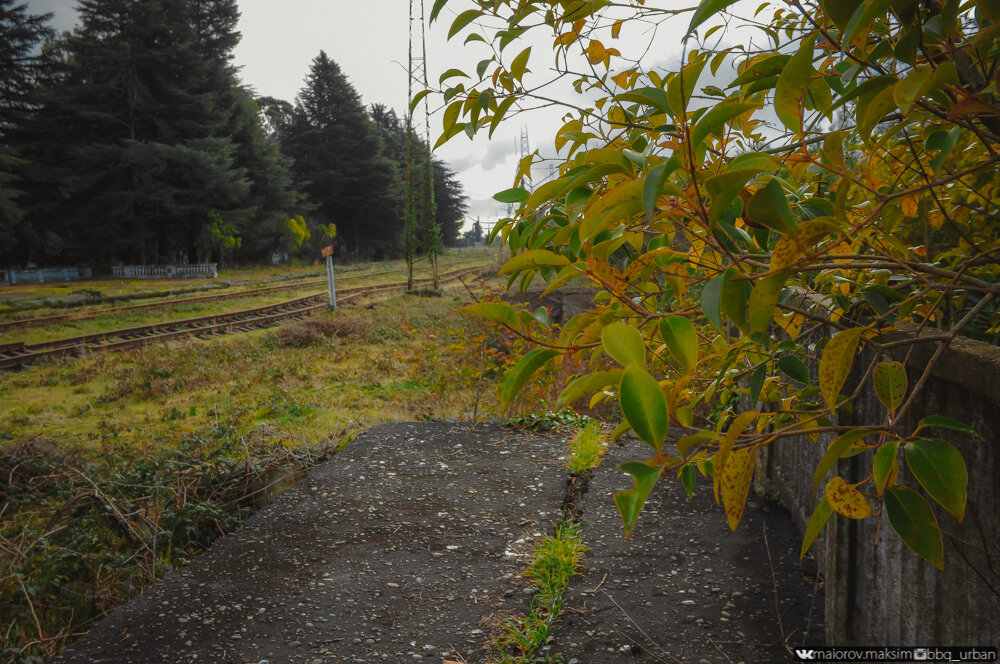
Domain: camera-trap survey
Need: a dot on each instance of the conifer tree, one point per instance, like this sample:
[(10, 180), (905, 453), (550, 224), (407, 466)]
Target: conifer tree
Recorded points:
[(20, 35), (339, 162)]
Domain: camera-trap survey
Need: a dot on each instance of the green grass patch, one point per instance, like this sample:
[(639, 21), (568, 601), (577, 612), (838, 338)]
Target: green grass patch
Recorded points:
[(554, 562)]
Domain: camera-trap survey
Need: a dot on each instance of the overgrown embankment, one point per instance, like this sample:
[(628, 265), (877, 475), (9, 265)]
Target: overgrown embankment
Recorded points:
[(115, 468)]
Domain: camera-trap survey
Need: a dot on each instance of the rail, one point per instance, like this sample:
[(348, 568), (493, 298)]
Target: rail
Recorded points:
[(19, 353)]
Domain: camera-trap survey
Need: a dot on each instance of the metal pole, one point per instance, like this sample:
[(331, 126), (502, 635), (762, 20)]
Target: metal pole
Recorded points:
[(329, 281)]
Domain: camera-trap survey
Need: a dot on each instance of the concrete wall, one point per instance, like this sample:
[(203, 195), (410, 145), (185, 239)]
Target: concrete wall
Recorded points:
[(44, 275), (878, 592)]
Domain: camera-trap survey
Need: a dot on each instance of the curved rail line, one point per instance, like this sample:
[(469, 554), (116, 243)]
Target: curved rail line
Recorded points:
[(164, 304), (19, 353)]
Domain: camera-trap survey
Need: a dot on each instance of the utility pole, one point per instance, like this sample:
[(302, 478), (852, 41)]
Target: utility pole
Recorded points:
[(427, 236)]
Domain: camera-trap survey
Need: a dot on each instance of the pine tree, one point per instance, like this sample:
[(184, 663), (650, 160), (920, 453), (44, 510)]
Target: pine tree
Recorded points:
[(146, 144), (339, 161), (451, 203), (20, 65)]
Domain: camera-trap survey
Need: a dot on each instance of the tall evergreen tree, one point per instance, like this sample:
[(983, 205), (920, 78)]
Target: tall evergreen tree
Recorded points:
[(146, 143), (339, 161), (20, 35), (451, 203)]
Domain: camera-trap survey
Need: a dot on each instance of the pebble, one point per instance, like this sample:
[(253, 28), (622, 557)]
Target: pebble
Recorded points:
[(689, 619), (294, 644), (370, 642), (688, 602)]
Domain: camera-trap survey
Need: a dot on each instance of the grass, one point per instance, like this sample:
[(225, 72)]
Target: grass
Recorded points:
[(117, 467), (555, 561), (41, 299), (586, 449)]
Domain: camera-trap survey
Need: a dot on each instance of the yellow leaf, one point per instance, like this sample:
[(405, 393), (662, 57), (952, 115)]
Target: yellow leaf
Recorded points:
[(791, 323), (836, 363), (726, 444), (736, 478), (841, 249), (909, 205), (936, 219), (595, 52), (566, 38), (617, 28), (846, 500)]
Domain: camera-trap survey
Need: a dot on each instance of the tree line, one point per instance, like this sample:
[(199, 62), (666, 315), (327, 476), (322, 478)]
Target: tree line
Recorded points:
[(132, 139)]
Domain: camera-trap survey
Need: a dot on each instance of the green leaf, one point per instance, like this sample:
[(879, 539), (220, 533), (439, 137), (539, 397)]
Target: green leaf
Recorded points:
[(946, 423), (865, 13), (566, 275), (940, 469), (792, 366), (522, 371), (462, 20), (766, 68), (769, 207), (682, 85), (706, 10), (890, 384), (534, 258), (513, 195), (836, 363), (724, 187), (758, 161), (713, 121), (836, 451), (452, 73), (763, 300), (944, 142), (735, 294), (500, 112), (630, 502), (520, 64), (585, 385), (883, 465), (872, 109), (624, 343), (689, 474), (757, 384), (793, 83), (495, 311), (644, 406), (682, 341), (655, 180), (436, 9), (913, 520), (416, 99), (648, 96), (840, 11), (711, 299), (815, 526)]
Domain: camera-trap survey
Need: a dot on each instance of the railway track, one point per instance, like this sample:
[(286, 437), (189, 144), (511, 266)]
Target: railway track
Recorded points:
[(228, 295), (19, 353)]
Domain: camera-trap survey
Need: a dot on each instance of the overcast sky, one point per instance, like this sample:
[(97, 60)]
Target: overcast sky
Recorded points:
[(368, 39)]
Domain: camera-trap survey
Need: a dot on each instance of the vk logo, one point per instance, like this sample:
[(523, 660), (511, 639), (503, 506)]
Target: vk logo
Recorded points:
[(803, 655)]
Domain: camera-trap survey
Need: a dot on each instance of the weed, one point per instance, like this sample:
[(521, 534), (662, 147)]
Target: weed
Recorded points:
[(554, 562), (549, 420), (586, 448)]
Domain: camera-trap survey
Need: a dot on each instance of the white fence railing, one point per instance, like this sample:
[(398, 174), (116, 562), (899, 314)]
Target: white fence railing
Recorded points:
[(205, 270), (44, 275)]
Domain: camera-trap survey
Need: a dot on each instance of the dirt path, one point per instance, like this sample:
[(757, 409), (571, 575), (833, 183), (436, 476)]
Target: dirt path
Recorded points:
[(410, 544)]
